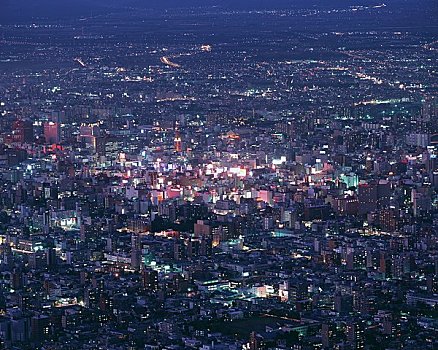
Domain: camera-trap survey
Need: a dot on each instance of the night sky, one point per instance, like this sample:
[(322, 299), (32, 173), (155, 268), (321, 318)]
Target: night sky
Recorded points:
[(25, 10)]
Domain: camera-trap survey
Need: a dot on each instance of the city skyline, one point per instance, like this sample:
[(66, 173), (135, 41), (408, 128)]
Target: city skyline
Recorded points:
[(218, 175)]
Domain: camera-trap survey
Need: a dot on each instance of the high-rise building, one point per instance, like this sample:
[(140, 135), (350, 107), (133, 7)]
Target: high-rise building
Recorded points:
[(202, 228), (40, 327), (52, 132), (355, 334), (150, 280), (373, 195), (135, 251), (178, 142), (367, 195), (22, 131), (88, 133), (255, 342)]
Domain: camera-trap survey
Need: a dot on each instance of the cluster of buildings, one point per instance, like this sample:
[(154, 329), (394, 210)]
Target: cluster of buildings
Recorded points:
[(139, 210), (277, 235)]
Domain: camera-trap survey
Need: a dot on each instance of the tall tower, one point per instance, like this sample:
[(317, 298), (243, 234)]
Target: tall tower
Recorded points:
[(177, 140)]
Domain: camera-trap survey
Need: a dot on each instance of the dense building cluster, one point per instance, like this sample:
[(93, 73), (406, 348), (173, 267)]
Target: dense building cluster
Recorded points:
[(219, 191)]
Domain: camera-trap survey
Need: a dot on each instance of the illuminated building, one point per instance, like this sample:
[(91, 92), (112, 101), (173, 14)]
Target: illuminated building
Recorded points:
[(150, 280), (52, 132), (23, 131), (177, 142), (355, 334)]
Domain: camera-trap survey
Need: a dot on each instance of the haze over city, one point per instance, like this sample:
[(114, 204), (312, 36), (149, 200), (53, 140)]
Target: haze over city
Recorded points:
[(255, 175)]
